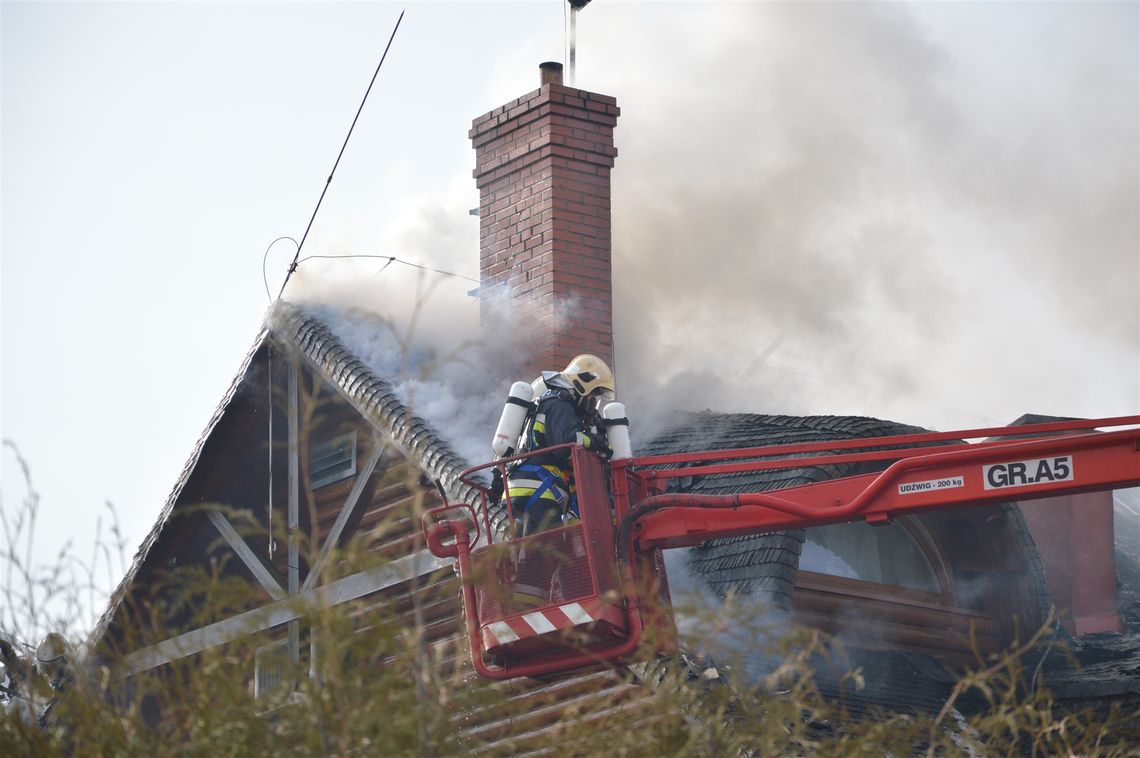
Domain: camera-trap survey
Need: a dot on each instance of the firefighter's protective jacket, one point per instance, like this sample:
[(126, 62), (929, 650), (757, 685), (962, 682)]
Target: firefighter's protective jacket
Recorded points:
[(542, 482)]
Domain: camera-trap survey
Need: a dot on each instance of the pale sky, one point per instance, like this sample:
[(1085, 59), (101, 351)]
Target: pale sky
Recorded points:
[(929, 210)]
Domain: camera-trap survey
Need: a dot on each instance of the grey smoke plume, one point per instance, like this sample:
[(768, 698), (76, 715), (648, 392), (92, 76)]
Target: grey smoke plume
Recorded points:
[(419, 329), (448, 364), (919, 212), (451, 355), (929, 206), (427, 343)]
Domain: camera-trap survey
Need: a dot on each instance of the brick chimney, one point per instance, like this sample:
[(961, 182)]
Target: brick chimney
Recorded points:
[(542, 165)]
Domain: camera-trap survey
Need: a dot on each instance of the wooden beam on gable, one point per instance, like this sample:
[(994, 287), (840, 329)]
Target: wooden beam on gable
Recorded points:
[(262, 574), (283, 611), (294, 498), (294, 515)]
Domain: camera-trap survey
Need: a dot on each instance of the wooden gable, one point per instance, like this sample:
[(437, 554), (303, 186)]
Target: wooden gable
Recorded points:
[(302, 493)]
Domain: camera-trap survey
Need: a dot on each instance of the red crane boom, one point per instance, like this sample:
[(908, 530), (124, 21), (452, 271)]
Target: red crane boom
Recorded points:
[(606, 576)]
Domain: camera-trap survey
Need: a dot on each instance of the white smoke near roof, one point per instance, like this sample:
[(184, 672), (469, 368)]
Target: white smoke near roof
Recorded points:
[(422, 330), (415, 328), (424, 336), (450, 355), (458, 391), (426, 339)]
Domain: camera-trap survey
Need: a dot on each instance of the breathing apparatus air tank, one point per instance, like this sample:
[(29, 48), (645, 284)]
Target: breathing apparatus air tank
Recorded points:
[(511, 421), (617, 430)]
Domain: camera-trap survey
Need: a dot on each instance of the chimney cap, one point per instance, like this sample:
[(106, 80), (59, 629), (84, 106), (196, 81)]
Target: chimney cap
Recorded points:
[(550, 72)]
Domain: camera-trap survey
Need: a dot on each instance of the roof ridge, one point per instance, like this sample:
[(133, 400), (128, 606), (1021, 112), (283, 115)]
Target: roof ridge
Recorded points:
[(832, 423)]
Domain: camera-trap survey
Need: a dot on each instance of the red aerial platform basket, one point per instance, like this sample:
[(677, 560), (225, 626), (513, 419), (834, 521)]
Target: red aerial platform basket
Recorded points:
[(584, 614)]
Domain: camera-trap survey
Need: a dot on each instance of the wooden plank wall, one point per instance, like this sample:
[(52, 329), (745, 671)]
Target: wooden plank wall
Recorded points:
[(386, 527), (531, 710)]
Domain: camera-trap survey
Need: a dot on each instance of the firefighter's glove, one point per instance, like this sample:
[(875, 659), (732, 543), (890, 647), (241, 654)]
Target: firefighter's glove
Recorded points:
[(497, 485), (595, 443)]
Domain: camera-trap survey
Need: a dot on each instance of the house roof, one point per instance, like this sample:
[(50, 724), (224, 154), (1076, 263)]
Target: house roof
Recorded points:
[(762, 566)]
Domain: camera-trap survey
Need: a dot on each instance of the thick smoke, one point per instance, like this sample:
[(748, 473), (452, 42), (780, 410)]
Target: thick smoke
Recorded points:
[(926, 230), (923, 213), (451, 354), (416, 328), (454, 379)]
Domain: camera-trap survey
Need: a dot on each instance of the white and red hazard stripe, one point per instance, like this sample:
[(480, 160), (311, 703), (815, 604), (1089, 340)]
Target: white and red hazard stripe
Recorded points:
[(547, 620)]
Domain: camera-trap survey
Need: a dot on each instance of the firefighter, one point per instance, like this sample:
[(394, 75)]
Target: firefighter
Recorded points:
[(30, 688), (541, 488), (54, 665)]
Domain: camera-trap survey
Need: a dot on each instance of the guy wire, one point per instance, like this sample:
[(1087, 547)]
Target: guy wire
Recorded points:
[(293, 265), (391, 259)]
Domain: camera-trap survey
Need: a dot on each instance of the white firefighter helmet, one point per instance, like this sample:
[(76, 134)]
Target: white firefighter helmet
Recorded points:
[(53, 659), (52, 649), (587, 374)]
